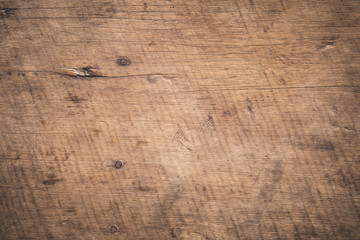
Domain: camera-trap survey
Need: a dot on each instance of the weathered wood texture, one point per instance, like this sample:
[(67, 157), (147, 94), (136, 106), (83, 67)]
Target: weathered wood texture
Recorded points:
[(236, 119)]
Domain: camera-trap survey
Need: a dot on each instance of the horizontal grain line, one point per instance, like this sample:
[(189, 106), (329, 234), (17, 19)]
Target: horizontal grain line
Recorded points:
[(273, 88), (26, 133), (113, 5)]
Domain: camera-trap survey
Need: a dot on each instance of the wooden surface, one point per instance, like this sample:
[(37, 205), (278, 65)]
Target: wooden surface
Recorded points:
[(236, 119)]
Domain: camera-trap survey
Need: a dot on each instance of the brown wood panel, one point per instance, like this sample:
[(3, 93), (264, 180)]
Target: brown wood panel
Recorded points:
[(234, 119)]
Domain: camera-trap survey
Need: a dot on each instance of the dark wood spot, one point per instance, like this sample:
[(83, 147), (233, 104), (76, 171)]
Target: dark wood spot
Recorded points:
[(43, 122), (49, 182), (9, 73), (249, 105), (88, 72), (123, 61), (140, 143), (226, 112), (96, 132), (113, 229), (118, 164), (324, 146), (75, 99), (327, 177), (144, 188), (7, 12)]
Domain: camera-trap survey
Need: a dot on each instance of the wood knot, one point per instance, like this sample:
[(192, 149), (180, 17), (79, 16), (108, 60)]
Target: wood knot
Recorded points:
[(80, 72), (113, 229), (118, 164), (123, 61)]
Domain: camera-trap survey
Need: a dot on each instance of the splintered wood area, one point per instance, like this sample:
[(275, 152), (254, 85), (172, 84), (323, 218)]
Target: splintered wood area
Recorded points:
[(179, 119)]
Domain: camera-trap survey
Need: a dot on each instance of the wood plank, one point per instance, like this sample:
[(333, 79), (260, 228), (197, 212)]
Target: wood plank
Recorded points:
[(233, 119)]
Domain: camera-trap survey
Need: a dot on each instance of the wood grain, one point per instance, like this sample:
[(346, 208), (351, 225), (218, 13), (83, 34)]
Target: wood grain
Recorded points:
[(234, 119)]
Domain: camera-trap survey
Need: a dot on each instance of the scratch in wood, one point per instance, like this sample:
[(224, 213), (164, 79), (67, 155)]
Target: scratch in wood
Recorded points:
[(80, 72), (326, 45), (282, 4), (249, 105), (104, 123), (240, 14), (209, 124), (180, 137)]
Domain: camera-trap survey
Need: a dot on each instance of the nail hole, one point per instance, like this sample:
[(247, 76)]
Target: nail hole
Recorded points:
[(113, 229), (118, 164), (123, 61)]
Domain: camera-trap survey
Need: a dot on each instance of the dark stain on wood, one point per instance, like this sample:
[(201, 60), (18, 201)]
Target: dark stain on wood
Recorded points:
[(249, 105), (144, 188), (7, 12), (75, 99), (324, 145), (51, 181), (141, 143)]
